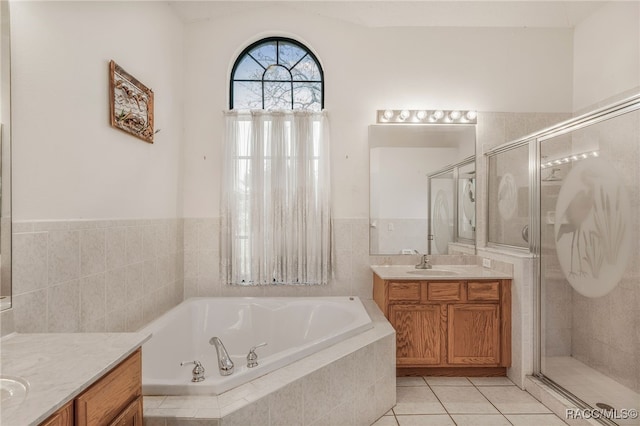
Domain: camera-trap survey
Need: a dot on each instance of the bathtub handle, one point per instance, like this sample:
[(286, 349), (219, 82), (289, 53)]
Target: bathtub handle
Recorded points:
[(198, 370), (252, 357)]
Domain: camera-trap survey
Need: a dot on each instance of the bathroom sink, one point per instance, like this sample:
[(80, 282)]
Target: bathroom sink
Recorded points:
[(432, 272), (13, 390)]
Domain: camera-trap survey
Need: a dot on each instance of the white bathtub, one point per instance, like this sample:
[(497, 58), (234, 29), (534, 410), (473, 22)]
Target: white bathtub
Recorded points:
[(292, 327)]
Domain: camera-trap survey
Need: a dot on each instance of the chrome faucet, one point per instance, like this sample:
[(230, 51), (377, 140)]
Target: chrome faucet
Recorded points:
[(252, 357), (198, 370), (225, 365), (425, 263)]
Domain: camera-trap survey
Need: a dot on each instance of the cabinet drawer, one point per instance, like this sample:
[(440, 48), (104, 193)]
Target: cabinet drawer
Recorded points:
[(483, 291), (404, 291), (443, 291), (105, 399)]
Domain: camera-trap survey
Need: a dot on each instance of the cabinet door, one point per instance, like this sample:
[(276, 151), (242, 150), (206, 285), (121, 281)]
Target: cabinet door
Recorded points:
[(418, 333), (474, 334), (131, 416), (62, 417)]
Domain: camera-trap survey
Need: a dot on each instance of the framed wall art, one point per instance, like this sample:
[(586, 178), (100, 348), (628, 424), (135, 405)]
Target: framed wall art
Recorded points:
[(131, 104)]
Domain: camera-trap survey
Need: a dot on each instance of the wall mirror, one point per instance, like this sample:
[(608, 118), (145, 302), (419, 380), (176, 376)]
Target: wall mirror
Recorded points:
[(5, 157), (402, 159)]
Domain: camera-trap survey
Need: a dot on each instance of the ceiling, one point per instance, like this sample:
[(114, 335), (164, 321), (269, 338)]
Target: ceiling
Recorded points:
[(396, 13)]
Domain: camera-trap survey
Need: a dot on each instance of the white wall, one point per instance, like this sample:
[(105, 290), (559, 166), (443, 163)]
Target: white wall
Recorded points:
[(606, 53), (367, 69), (68, 162)]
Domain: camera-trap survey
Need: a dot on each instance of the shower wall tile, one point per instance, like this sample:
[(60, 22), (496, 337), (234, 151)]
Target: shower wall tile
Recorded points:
[(100, 275)]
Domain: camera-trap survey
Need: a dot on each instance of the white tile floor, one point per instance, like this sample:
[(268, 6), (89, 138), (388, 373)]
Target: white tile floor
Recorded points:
[(492, 401)]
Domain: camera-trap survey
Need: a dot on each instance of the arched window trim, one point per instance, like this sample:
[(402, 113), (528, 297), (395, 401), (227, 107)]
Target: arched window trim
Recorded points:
[(277, 40)]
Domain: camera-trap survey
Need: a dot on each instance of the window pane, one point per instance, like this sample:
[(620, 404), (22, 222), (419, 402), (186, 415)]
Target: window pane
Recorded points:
[(290, 54), (307, 96), (306, 70), (248, 69), (247, 95), (277, 95), (277, 72), (265, 53)]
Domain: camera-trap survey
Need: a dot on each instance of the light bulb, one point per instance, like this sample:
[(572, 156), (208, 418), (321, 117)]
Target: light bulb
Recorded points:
[(594, 154), (404, 114), (438, 114), (420, 115), (471, 115), (454, 115), (387, 114)]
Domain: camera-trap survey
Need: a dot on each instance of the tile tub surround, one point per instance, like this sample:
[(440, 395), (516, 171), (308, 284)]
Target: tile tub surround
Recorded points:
[(95, 275), (350, 383), (351, 273), (54, 369)]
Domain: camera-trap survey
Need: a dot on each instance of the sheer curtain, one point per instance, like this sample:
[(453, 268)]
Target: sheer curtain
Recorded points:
[(276, 204)]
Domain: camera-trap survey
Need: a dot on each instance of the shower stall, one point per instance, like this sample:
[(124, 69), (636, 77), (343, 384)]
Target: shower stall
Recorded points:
[(570, 196)]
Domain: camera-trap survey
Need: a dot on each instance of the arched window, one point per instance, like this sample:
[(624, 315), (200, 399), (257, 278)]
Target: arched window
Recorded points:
[(277, 73)]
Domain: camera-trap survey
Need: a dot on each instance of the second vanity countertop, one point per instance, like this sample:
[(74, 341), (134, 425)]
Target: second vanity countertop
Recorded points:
[(58, 367), (438, 272)]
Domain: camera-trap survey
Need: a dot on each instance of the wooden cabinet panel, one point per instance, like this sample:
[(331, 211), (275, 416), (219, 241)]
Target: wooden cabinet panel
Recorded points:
[(418, 333), (62, 417), (404, 291), (448, 327), (474, 334), (131, 416), (483, 291), (441, 291), (105, 399)]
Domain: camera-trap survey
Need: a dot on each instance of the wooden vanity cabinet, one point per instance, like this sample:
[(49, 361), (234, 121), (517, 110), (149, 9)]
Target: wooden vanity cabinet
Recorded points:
[(115, 399), (448, 327)]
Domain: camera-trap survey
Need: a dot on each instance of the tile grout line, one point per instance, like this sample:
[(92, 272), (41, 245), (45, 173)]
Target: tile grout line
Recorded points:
[(443, 406), (485, 397)]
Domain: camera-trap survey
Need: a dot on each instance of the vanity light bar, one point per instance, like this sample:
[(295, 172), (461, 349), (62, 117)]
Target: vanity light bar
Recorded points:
[(422, 116), (570, 158)]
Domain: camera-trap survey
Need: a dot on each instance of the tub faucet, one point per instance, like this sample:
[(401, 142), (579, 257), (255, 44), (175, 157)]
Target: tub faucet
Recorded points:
[(198, 370), (225, 365), (425, 263)]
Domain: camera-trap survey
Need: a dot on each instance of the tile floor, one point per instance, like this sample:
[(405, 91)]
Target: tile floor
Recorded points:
[(473, 401)]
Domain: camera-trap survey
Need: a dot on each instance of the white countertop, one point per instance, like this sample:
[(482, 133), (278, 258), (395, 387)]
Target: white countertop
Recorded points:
[(58, 367), (438, 272)]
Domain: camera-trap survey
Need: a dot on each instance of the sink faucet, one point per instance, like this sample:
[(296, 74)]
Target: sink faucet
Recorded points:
[(424, 262), (225, 365)]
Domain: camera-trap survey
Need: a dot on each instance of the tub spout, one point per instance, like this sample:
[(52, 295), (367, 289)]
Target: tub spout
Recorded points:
[(225, 364)]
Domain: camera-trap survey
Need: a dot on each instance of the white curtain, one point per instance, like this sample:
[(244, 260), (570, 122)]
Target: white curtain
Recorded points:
[(276, 203)]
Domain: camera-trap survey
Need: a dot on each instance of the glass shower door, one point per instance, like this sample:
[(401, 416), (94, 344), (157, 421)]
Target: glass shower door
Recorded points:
[(442, 209), (589, 245)]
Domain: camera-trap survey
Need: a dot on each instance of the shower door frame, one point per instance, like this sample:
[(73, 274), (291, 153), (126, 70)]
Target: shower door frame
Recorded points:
[(454, 170), (534, 141)]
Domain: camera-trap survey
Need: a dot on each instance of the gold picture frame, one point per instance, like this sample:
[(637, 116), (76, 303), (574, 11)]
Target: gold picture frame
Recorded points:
[(131, 104)]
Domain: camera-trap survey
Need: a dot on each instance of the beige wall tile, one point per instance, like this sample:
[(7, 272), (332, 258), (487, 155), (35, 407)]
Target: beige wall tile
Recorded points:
[(63, 256)]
